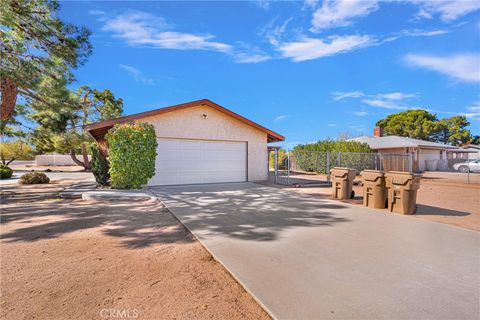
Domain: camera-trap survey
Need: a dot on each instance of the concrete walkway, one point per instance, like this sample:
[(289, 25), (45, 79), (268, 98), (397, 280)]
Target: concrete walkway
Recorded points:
[(308, 258)]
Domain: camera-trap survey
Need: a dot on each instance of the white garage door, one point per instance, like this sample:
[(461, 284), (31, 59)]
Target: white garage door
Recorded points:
[(199, 161)]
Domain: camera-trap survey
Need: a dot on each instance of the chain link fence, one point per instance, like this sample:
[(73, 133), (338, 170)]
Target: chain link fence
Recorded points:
[(313, 167), (321, 162)]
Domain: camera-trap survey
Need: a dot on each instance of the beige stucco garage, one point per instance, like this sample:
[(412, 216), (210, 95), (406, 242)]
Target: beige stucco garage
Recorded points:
[(202, 142)]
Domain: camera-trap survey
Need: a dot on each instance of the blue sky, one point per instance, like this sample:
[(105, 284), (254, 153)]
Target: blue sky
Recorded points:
[(308, 70)]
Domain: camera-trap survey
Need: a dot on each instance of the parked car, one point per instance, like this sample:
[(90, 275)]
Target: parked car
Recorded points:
[(468, 166)]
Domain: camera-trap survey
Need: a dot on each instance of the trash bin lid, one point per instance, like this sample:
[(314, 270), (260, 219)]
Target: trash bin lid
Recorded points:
[(341, 172), (399, 178), (372, 175)]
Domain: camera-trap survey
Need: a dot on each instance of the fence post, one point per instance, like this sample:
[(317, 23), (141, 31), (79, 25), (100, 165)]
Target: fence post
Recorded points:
[(275, 164), (288, 167), (410, 163), (328, 166)]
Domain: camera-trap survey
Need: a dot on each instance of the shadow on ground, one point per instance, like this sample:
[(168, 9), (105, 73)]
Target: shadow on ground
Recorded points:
[(139, 224), (247, 211), (437, 211)]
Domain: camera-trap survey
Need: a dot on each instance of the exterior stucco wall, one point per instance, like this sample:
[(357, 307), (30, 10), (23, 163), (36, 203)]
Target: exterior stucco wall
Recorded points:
[(427, 154), (190, 124)]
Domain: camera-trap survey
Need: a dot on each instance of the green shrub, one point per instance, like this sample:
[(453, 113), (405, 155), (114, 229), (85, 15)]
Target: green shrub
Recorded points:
[(5, 172), (34, 178), (132, 150), (313, 157), (99, 165), (15, 150), (282, 160)]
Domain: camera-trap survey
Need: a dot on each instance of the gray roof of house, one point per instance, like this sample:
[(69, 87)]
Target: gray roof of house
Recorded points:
[(471, 146), (399, 142)]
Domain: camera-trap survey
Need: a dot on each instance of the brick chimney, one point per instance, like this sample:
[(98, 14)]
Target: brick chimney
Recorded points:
[(378, 132)]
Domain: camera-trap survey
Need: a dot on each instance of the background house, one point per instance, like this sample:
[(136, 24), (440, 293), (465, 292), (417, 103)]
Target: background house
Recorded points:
[(473, 151), (426, 155)]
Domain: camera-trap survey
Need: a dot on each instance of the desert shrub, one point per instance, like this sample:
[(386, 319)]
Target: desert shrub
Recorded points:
[(99, 165), (5, 172), (132, 150), (313, 157), (34, 178)]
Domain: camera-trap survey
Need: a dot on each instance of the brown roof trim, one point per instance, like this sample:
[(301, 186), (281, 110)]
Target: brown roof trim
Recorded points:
[(99, 129)]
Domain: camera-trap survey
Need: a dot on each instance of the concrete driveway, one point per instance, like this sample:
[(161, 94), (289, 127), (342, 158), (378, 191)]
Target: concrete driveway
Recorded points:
[(306, 258)]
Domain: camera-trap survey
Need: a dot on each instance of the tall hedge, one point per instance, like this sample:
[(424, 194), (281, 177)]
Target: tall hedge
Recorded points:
[(100, 165), (313, 156), (132, 149)]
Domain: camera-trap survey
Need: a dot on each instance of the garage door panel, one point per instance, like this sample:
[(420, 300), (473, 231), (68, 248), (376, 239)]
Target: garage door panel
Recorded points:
[(199, 161)]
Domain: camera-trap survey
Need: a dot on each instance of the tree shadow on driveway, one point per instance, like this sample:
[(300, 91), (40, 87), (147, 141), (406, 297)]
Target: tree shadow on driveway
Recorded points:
[(138, 224), (247, 211)]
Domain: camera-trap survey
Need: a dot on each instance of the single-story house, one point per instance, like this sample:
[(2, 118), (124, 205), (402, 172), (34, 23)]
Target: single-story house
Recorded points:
[(473, 151), (201, 142), (424, 153)]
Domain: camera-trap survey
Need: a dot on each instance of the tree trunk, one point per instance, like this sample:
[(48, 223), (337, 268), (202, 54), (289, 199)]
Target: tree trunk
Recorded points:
[(86, 163), (75, 159), (8, 89)]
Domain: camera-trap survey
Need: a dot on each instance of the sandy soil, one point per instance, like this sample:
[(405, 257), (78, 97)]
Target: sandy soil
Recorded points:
[(71, 259), (441, 198)]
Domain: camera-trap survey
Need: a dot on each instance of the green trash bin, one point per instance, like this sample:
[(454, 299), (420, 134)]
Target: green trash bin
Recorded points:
[(402, 191), (374, 189), (342, 182)]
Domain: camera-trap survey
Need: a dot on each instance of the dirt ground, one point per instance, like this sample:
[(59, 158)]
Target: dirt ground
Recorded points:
[(442, 197), (72, 259)]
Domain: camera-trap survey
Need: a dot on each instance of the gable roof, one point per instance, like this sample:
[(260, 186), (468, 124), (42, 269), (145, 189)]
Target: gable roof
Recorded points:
[(99, 129), (388, 142)]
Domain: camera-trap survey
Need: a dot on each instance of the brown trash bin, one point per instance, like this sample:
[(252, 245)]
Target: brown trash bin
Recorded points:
[(374, 189), (402, 191), (342, 182)]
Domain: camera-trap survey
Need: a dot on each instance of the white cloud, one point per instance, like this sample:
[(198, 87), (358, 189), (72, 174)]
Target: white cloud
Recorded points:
[(386, 104), (245, 57), (310, 48), (464, 67), (389, 100), (448, 10), (273, 33), (340, 13), (395, 96), (473, 111), (340, 95), (144, 29), (475, 108), (96, 12), (332, 124), (310, 4), (423, 33), (280, 118), (264, 4), (360, 113), (137, 74), (138, 28)]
